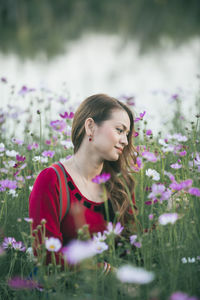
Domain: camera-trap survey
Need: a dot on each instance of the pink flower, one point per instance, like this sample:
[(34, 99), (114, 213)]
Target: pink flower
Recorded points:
[(140, 117), (67, 116), (16, 141), (194, 191), (8, 242), (58, 125), (10, 184), (32, 146), (136, 167), (182, 185), (149, 156), (135, 134), (149, 132), (167, 218), (102, 178), (19, 246), (182, 153), (176, 166), (117, 229), (133, 241), (159, 192), (181, 296), (19, 283), (20, 158), (48, 153)]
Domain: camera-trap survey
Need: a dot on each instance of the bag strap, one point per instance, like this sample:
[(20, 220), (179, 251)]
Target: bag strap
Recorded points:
[(64, 195)]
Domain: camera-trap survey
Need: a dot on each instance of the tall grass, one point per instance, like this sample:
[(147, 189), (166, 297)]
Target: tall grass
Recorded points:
[(170, 251)]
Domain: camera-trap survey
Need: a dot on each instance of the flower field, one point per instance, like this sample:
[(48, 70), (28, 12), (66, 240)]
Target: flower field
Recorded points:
[(159, 260)]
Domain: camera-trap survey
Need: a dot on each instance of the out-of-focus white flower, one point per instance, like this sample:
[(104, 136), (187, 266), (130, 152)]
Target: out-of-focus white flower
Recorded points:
[(13, 193), (167, 218), (53, 244), (30, 255), (153, 174), (9, 164), (191, 260), (76, 251), (99, 237), (168, 148), (184, 260), (41, 159), (130, 274), (67, 144), (30, 187), (11, 153), (111, 228), (2, 147)]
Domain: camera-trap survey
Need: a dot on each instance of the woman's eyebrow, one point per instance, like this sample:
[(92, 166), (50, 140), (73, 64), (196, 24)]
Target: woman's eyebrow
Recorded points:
[(124, 127)]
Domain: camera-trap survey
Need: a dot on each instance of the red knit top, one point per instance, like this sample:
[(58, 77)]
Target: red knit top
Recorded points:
[(44, 204)]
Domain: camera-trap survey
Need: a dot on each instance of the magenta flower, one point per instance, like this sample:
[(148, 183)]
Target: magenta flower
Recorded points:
[(102, 178), (182, 153), (149, 156), (135, 134), (20, 158), (149, 132), (136, 167), (133, 241), (48, 142), (194, 191), (10, 184), (48, 153), (20, 283), (140, 117), (8, 242), (67, 116), (176, 166), (58, 125), (19, 246)]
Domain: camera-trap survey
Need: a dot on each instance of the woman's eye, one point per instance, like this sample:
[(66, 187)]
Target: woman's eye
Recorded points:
[(119, 130)]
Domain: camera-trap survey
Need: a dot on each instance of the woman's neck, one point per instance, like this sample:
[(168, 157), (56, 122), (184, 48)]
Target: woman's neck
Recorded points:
[(87, 164)]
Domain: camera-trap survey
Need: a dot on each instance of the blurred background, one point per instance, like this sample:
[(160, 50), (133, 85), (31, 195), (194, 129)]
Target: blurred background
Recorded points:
[(145, 49)]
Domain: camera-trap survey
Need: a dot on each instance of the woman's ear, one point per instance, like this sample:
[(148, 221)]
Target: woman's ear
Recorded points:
[(89, 126)]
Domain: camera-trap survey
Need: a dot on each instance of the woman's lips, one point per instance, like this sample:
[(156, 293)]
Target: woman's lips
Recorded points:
[(119, 149)]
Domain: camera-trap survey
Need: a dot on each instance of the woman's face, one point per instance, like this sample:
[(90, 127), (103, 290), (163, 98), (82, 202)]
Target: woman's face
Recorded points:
[(110, 137)]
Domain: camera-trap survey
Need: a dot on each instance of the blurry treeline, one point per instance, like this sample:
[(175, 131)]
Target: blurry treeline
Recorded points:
[(31, 26)]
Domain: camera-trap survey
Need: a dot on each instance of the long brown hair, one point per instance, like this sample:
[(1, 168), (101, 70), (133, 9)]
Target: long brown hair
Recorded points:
[(99, 107)]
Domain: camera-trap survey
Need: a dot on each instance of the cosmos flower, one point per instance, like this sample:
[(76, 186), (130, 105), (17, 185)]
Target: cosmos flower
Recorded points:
[(181, 296), (140, 117), (159, 192), (194, 191), (48, 153), (20, 158), (40, 158), (130, 274), (16, 141), (138, 165), (10, 184), (2, 147), (113, 229), (167, 218), (148, 132), (149, 156), (133, 241), (58, 125), (20, 283), (8, 242), (99, 237), (182, 185), (19, 246), (102, 178), (28, 220), (67, 116), (176, 166), (77, 251), (53, 244), (11, 153), (32, 146), (153, 174), (100, 246)]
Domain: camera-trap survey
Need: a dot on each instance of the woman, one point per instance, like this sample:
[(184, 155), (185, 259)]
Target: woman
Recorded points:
[(102, 133)]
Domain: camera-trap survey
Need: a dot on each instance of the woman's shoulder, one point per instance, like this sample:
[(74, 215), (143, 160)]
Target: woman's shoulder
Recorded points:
[(48, 174)]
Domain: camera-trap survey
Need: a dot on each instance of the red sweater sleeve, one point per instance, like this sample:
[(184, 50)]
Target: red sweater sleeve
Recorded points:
[(44, 204)]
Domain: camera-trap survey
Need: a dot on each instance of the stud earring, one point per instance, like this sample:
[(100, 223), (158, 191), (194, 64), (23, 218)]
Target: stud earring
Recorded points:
[(90, 139)]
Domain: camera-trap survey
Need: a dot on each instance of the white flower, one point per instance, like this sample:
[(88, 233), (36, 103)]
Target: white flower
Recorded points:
[(168, 148), (53, 244), (13, 193), (100, 246), (184, 260), (77, 250), (99, 237), (117, 229), (11, 153), (41, 159), (191, 260), (130, 274), (153, 174), (30, 187), (2, 147), (9, 164), (29, 253), (167, 218)]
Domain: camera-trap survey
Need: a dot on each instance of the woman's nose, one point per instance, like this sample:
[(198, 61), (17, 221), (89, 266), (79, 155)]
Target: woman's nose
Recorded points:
[(124, 140)]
